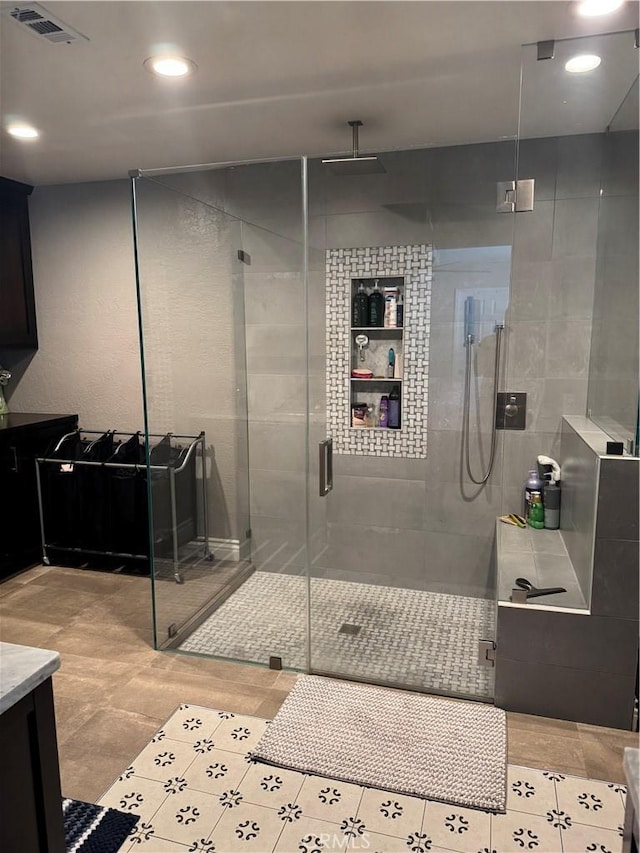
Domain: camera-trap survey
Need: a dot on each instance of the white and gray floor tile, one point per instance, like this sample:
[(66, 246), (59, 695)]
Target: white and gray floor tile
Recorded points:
[(424, 640)]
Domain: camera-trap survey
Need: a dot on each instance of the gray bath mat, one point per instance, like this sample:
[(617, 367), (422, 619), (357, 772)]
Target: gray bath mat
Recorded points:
[(438, 749)]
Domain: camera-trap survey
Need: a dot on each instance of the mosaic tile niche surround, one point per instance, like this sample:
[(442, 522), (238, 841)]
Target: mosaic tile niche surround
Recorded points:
[(414, 263)]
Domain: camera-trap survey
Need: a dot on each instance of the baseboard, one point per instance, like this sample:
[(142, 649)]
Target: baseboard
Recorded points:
[(225, 549)]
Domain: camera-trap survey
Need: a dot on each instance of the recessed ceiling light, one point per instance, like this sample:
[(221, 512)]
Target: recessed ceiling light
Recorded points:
[(583, 62), (591, 8), (170, 66), (22, 131)]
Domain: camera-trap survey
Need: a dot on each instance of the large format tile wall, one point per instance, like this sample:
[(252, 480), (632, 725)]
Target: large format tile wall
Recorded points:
[(421, 523)]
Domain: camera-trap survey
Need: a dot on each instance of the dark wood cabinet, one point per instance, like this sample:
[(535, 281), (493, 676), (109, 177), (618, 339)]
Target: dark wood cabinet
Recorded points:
[(17, 302), (30, 781), (22, 438)]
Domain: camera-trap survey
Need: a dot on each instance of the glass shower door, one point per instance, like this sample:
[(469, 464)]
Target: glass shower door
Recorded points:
[(402, 577)]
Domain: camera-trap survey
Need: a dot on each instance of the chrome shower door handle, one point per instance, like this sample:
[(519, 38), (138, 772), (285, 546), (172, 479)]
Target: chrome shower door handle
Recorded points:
[(325, 466)]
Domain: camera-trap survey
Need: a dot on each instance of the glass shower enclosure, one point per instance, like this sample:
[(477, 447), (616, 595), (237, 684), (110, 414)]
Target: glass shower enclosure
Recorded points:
[(373, 561), (336, 543)]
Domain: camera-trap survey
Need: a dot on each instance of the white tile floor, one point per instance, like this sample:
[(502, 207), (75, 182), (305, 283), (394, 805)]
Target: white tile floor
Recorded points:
[(196, 790), (419, 639)]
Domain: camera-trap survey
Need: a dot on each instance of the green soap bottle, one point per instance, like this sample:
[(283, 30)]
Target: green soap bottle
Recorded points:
[(536, 511)]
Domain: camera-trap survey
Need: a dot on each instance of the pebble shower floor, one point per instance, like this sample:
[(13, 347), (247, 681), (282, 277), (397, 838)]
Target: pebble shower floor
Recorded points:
[(410, 637), (196, 790)]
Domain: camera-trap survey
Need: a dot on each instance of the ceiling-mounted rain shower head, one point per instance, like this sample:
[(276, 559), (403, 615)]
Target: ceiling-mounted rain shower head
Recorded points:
[(356, 164)]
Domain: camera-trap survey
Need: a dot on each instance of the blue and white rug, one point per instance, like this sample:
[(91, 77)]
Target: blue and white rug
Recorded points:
[(94, 829)]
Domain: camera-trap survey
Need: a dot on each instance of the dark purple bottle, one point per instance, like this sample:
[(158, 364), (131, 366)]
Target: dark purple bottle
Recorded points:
[(394, 408)]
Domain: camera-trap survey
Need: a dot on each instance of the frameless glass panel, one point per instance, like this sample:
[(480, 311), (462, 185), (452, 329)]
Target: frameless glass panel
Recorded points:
[(613, 366), (192, 320), (403, 581), (222, 301), (571, 245)]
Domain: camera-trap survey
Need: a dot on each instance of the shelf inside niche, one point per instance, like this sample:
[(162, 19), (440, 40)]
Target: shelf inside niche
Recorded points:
[(377, 429), (394, 329), (374, 379)]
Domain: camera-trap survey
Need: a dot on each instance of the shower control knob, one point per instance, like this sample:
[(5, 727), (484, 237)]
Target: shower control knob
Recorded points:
[(511, 409)]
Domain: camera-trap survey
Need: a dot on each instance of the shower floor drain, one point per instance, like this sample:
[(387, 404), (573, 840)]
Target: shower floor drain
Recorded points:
[(347, 628)]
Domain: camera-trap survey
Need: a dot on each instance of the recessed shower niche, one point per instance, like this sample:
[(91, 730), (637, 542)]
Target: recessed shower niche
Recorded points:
[(378, 306)]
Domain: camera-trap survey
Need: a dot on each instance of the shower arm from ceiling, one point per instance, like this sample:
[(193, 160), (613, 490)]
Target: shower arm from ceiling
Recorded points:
[(354, 125)]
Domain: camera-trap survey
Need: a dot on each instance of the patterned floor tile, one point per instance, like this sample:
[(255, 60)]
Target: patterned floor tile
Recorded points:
[(309, 835), (390, 814), (206, 799), (190, 723), (164, 759), (530, 791), (373, 842), (187, 815), (146, 842), (216, 771), (444, 631), (138, 796), (271, 786), (590, 802), (250, 828), (590, 839), (239, 734), (517, 831), (455, 828), (329, 800)]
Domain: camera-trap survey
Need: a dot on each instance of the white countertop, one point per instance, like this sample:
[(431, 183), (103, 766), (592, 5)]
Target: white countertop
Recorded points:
[(22, 669)]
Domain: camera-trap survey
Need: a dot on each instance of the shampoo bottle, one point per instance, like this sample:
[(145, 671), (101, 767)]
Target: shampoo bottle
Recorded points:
[(400, 310), (383, 421), (390, 312), (360, 308), (536, 510), (533, 484), (394, 408), (391, 363), (376, 306)]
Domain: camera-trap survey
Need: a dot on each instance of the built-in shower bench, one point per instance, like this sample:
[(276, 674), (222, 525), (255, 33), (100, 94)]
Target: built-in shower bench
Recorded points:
[(541, 557), (554, 657)]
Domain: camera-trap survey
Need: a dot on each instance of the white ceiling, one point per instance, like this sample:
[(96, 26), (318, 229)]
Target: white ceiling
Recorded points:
[(281, 79)]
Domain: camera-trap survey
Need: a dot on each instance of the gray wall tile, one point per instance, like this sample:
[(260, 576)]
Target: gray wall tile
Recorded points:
[(533, 233), (377, 501), (576, 641), (615, 579), (575, 227), (618, 499), (459, 564), (602, 699), (538, 159), (579, 166)]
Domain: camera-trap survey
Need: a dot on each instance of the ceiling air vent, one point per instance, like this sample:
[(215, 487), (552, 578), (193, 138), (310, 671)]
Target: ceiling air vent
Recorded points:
[(38, 21)]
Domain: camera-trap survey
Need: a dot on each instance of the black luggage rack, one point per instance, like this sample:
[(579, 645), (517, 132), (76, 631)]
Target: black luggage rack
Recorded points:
[(93, 490)]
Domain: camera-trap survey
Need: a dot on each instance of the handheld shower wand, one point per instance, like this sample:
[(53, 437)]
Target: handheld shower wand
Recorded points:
[(469, 341)]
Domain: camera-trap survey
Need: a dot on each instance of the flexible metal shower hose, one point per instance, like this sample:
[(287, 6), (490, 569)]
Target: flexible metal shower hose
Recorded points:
[(465, 415)]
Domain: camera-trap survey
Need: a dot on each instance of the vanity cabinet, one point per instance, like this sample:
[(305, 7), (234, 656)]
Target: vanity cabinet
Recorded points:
[(22, 438), (17, 302)]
